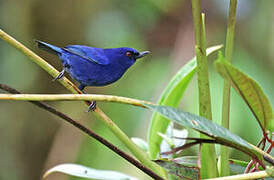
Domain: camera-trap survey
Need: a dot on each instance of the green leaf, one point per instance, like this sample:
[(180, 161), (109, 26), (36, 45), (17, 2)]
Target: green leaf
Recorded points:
[(187, 161), (235, 166), (250, 91), (86, 172), (171, 96), (179, 170), (207, 127)]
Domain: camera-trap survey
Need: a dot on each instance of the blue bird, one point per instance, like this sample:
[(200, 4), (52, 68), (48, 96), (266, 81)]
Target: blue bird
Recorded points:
[(92, 66)]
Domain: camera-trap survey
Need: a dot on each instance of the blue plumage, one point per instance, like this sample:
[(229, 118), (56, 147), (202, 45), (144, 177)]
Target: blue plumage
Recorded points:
[(94, 66)]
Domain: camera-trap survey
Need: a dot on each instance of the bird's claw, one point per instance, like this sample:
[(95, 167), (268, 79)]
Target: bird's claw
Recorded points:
[(60, 75), (92, 106)]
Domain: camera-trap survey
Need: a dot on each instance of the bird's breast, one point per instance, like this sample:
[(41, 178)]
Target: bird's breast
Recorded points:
[(92, 74)]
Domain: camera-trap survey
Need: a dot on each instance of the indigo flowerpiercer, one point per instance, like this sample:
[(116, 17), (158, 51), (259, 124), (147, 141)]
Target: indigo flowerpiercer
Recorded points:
[(92, 66)]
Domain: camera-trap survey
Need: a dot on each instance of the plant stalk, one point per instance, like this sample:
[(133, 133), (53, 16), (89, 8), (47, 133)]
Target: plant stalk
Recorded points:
[(224, 151), (208, 154), (74, 97), (255, 175)]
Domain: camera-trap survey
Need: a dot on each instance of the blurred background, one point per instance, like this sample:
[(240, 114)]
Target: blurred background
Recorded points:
[(32, 140)]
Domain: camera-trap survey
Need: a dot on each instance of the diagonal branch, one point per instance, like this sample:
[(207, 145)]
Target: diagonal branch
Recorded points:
[(89, 132)]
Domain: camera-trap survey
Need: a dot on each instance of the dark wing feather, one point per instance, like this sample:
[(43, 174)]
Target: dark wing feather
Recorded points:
[(95, 55)]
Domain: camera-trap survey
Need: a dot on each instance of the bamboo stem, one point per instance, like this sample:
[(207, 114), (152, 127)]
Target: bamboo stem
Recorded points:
[(208, 154), (224, 151)]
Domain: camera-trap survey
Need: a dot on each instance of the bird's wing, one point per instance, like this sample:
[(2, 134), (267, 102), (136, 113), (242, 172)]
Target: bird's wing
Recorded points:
[(95, 55)]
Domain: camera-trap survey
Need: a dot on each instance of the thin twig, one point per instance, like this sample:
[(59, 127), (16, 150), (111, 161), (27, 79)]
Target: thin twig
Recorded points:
[(199, 161), (269, 149), (267, 157), (92, 134), (248, 167), (188, 145)]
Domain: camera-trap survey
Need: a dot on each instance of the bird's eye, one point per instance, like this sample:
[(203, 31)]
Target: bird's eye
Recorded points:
[(128, 54)]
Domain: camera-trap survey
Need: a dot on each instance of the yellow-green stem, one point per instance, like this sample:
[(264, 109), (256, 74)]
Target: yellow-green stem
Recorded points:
[(224, 152), (255, 175), (74, 97), (208, 154), (134, 149)]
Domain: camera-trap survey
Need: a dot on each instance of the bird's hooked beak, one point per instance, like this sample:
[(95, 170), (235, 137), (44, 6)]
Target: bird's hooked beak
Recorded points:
[(142, 54)]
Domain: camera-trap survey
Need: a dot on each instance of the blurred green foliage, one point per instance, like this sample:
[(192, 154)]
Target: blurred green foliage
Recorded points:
[(33, 140)]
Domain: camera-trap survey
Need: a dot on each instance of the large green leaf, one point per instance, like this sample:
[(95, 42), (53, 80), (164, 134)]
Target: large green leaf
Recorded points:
[(180, 170), (89, 173), (187, 166), (207, 127), (171, 96), (250, 91)]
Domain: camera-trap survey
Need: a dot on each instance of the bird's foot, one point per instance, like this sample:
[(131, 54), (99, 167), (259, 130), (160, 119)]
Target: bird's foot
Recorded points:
[(92, 106), (60, 75), (82, 87)]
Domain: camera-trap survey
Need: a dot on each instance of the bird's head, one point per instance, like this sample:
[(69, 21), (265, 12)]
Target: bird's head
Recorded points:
[(133, 54), (125, 55)]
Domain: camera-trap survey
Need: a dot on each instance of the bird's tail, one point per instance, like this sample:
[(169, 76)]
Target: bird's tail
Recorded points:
[(49, 48)]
